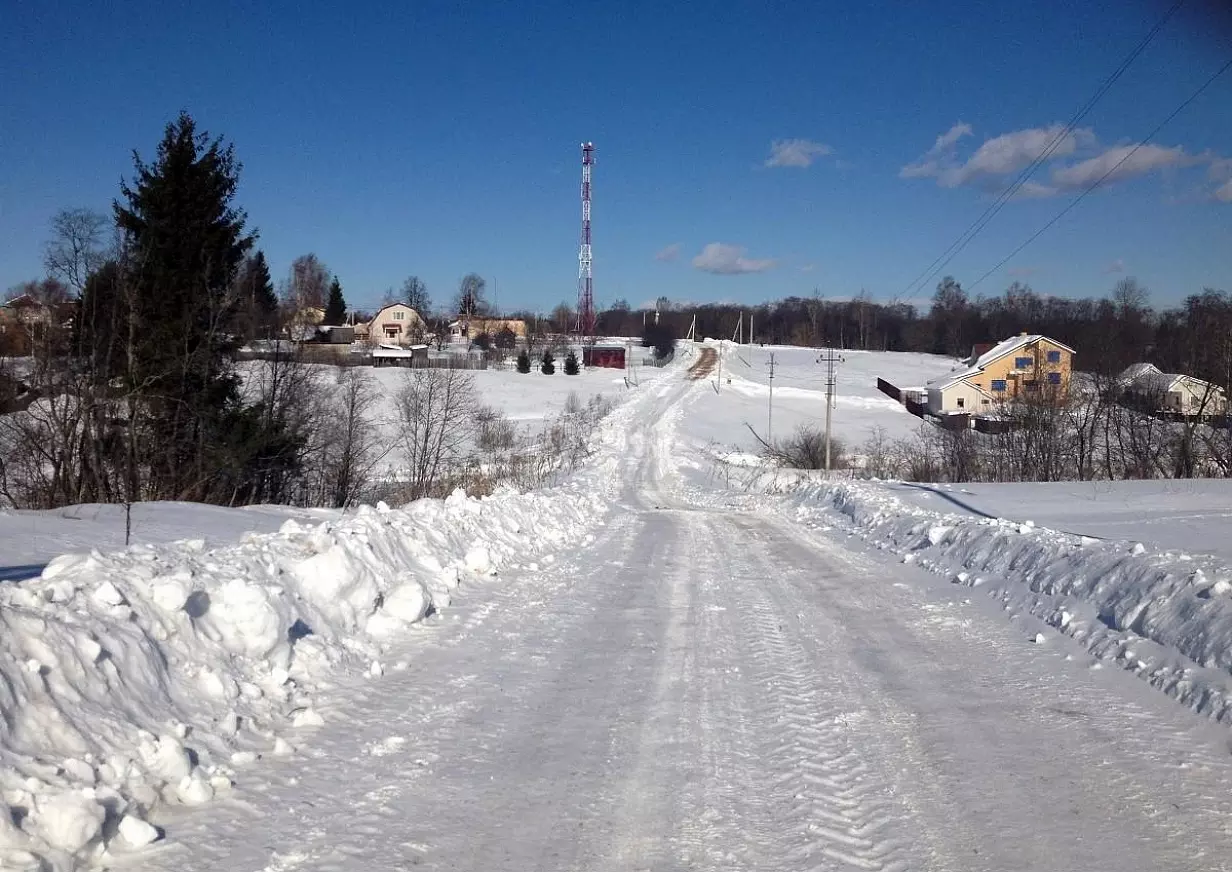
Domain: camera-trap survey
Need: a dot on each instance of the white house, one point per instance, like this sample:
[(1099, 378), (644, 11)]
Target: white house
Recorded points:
[(1172, 392), (396, 323), (954, 394)]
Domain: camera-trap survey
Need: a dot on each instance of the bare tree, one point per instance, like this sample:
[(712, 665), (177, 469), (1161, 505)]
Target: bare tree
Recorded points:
[(352, 448), (76, 248), (436, 410), (307, 285), (562, 318), (415, 294), (472, 299)]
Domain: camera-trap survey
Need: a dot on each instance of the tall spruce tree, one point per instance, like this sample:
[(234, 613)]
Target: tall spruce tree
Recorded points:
[(335, 306), (184, 238), (257, 299)]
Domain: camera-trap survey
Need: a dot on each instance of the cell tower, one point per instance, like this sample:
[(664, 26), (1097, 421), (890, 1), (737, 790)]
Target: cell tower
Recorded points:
[(586, 291)]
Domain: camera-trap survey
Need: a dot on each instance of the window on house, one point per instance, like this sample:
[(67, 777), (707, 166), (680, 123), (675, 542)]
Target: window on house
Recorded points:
[(998, 385), (984, 402), (1054, 357), (961, 402), (1031, 385), (1023, 362), (398, 316), (1054, 378)]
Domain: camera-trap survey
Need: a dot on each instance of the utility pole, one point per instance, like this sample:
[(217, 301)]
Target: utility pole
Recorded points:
[(831, 361), (770, 410)]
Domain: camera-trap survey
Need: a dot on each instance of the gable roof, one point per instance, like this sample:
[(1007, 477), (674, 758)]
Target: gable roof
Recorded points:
[(1135, 371), (1004, 348), (1148, 377), (1009, 346)]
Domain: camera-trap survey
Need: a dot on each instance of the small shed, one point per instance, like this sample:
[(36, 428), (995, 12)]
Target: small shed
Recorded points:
[(607, 356), (398, 355)]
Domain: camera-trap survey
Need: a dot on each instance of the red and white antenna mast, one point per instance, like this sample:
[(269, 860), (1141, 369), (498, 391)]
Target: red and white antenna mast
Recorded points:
[(586, 291)]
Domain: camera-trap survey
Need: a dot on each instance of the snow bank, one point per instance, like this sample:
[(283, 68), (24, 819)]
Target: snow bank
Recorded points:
[(1164, 615), (149, 676)]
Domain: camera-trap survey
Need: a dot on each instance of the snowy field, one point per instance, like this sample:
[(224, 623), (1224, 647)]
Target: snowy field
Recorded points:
[(31, 538), (743, 395), (529, 400), (1188, 516)]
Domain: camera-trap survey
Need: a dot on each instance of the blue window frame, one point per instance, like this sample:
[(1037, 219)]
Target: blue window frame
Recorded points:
[(1023, 363), (1054, 378), (998, 385), (1054, 357)]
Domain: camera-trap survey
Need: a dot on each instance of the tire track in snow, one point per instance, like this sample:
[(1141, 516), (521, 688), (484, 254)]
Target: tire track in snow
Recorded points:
[(823, 803)]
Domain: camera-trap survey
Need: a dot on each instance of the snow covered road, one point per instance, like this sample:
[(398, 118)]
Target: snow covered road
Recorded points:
[(705, 688)]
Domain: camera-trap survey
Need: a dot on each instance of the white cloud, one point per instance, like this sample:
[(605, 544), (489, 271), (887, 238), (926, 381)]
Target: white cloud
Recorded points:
[(1117, 266), (669, 254), (1120, 163), (808, 267), (998, 159), (729, 260), (942, 152), (796, 152), (1010, 152), (1034, 190), (999, 156), (1221, 171)]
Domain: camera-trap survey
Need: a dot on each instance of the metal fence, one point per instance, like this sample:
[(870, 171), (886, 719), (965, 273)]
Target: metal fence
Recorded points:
[(340, 356)]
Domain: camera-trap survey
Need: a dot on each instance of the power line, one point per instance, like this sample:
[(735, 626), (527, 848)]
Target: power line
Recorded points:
[(1038, 233), (974, 229)]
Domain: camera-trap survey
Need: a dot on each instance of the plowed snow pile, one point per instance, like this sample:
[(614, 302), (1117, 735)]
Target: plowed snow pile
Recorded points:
[(1164, 615), (155, 674)]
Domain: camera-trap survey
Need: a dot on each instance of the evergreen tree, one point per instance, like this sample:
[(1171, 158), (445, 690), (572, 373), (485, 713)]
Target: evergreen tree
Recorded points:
[(547, 365), (523, 362), (571, 364), (335, 306), (100, 322), (257, 300), (185, 239), (505, 338)]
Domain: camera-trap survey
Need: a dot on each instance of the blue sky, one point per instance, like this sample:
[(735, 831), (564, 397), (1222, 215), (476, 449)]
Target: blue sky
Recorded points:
[(437, 138)]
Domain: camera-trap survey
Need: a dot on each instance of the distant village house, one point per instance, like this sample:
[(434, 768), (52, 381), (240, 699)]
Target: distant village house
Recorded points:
[(1027, 365), (1175, 393), (396, 324)]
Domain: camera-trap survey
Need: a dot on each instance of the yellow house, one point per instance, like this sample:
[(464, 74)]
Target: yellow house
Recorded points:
[(469, 328), (1026, 365), (396, 324)]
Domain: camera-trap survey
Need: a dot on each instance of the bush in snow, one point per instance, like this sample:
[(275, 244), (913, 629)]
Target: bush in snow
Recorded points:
[(571, 364), (547, 364), (523, 362), (806, 449)]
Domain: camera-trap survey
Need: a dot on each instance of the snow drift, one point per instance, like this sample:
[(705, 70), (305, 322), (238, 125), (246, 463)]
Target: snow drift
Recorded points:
[(152, 675), (1164, 615)]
